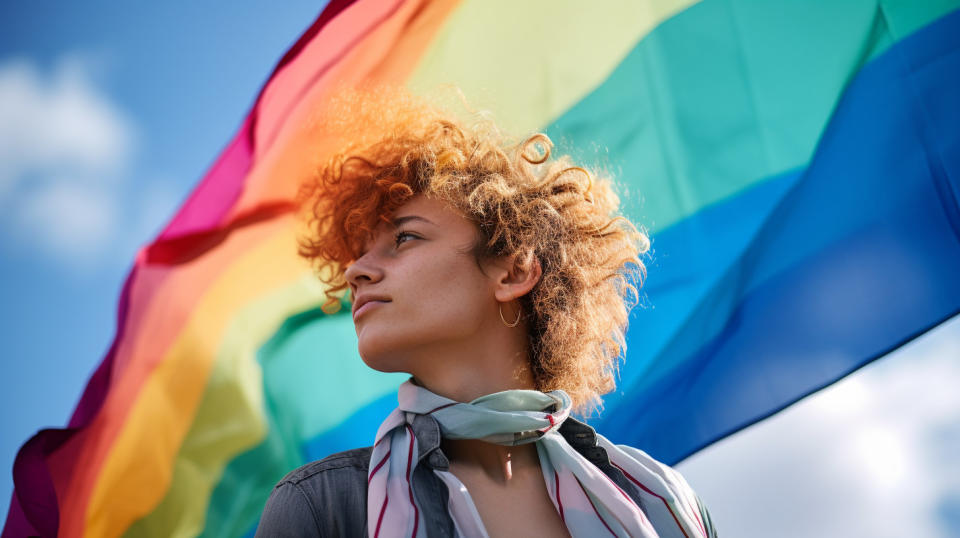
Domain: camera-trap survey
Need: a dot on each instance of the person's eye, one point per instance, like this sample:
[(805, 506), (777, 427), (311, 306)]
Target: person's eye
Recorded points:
[(403, 237)]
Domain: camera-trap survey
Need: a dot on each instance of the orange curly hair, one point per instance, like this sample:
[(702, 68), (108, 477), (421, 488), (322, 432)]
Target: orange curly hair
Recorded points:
[(522, 202)]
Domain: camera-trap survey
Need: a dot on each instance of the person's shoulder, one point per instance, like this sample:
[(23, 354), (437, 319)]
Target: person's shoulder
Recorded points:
[(326, 497), (342, 463)]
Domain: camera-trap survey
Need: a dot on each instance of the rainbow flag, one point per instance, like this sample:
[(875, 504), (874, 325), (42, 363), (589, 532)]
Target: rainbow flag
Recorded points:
[(797, 164)]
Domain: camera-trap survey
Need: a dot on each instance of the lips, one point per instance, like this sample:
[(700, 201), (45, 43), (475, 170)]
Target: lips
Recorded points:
[(365, 303)]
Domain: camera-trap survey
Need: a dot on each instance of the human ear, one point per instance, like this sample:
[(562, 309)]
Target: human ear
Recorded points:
[(518, 275)]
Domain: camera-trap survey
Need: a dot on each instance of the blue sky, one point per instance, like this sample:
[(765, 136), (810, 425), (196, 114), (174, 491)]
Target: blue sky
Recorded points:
[(109, 114)]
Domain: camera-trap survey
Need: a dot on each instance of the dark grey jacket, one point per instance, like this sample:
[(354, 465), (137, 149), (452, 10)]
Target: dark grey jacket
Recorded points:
[(329, 497)]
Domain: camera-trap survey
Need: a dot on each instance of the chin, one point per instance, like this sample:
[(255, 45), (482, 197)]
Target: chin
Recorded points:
[(381, 360), (398, 347), (383, 365)]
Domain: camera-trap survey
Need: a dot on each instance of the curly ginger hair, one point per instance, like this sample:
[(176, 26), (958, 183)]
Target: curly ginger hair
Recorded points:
[(523, 204)]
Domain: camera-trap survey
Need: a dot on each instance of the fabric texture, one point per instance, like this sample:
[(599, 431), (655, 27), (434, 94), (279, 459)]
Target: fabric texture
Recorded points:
[(588, 501), (328, 497)]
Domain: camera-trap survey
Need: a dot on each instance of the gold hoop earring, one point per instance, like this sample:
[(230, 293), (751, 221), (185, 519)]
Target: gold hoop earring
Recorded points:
[(515, 323)]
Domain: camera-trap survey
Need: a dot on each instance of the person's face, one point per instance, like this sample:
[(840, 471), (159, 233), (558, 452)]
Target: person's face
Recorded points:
[(417, 290)]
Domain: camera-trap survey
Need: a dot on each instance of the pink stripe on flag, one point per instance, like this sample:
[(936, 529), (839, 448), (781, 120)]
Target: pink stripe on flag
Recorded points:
[(222, 185), (210, 202)]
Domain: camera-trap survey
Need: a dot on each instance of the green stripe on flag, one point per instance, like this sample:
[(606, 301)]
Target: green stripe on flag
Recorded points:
[(727, 93), (528, 62)]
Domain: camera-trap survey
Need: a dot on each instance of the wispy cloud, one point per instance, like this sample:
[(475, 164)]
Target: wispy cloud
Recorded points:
[(65, 150), (873, 455), (59, 122), (72, 219)]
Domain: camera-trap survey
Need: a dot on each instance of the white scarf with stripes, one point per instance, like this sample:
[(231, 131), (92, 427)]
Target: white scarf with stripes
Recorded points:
[(588, 501)]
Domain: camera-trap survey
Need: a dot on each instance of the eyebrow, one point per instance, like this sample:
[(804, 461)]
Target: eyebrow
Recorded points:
[(407, 218)]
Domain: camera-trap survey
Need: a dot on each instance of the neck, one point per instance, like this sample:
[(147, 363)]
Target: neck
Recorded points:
[(499, 463), (497, 361)]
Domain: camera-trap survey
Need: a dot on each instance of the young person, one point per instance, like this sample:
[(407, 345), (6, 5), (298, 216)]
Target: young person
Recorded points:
[(501, 281)]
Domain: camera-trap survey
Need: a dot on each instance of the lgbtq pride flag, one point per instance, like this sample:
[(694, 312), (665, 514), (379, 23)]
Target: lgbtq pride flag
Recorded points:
[(797, 164)]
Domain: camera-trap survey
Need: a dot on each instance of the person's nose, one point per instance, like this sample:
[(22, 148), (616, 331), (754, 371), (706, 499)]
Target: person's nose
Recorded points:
[(363, 272)]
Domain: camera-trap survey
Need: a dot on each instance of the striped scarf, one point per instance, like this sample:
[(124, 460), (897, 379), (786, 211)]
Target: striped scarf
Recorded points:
[(588, 501)]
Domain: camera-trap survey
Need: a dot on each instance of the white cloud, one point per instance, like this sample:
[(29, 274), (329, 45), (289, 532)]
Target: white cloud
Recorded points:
[(71, 219), (64, 149), (873, 455), (58, 123)]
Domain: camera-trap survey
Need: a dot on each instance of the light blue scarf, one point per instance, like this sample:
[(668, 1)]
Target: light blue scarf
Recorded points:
[(588, 501)]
